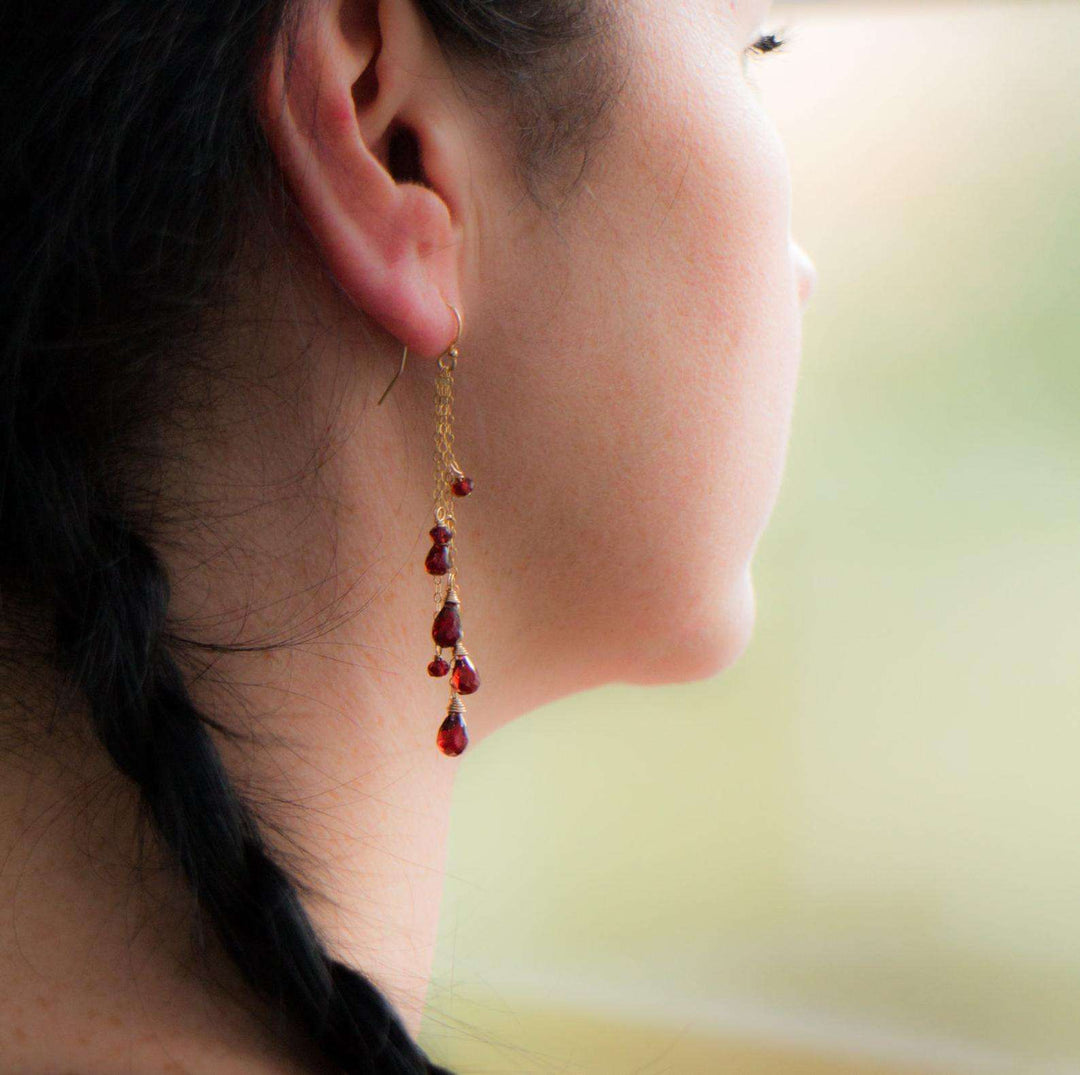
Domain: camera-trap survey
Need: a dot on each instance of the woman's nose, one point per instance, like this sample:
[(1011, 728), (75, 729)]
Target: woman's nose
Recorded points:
[(805, 272)]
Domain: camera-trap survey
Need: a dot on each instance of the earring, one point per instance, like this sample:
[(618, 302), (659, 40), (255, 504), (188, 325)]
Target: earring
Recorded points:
[(450, 483)]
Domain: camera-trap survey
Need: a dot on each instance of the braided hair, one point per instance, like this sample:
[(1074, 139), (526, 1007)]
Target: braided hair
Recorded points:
[(132, 163)]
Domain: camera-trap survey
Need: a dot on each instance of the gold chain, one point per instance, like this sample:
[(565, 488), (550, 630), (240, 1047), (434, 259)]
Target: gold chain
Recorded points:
[(447, 470)]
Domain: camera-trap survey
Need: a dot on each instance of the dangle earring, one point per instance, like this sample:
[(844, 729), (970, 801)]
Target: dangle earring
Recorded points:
[(450, 483)]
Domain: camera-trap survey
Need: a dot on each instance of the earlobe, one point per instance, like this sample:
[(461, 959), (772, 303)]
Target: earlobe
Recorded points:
[(350, 104)]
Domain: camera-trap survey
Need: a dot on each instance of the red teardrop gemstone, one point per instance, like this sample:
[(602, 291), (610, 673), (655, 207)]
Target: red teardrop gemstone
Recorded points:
[(438, 560), (465, 680), (441, 535), (462, 487), (453, 737), (446, 629), (438, 667)]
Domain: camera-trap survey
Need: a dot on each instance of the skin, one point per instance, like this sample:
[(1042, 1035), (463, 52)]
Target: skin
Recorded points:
[(623, 400)]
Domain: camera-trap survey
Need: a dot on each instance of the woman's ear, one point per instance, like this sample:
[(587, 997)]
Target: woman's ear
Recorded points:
[(355, 103)]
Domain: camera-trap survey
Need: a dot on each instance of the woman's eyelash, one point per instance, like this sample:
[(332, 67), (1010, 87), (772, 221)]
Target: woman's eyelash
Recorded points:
[(768, 43)]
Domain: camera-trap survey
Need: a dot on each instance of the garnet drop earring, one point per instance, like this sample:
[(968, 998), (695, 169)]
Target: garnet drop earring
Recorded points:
[(450, 483)]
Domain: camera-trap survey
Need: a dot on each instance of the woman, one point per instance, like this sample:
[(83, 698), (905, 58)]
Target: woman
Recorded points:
[(225, 226)]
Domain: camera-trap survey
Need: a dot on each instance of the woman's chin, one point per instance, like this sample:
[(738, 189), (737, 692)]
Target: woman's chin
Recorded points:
[(701, 644)]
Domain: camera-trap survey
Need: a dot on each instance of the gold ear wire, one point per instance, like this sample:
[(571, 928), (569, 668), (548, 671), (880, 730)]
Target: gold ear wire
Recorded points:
[(405, 354)]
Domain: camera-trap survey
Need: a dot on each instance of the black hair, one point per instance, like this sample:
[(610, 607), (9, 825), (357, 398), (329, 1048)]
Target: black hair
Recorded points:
[(131, 165)]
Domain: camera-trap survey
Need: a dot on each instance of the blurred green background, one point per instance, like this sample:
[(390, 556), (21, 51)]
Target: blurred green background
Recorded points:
[(857, 851)]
